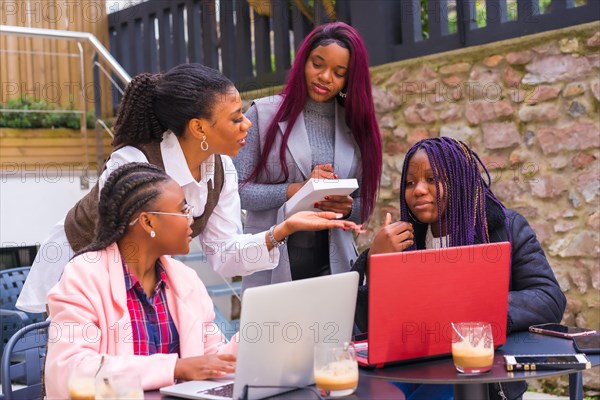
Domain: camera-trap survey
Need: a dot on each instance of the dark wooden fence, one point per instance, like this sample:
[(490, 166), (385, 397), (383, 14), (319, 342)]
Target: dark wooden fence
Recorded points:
[(254, 46)]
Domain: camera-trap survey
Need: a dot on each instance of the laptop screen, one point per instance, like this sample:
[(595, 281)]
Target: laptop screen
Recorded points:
[(280, 325), (414, 296)]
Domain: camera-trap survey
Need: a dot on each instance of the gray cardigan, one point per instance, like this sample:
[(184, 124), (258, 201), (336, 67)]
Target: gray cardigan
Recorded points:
[(342, 249)]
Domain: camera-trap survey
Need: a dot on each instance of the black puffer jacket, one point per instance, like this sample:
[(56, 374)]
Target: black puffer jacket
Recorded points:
[(534, 294)]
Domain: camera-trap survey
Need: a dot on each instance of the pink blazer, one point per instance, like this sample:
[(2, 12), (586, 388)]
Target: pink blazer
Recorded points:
[(88, 309)]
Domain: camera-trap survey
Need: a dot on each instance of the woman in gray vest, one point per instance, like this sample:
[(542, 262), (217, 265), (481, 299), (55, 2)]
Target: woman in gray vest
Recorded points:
[(322, 126), (188, 122)]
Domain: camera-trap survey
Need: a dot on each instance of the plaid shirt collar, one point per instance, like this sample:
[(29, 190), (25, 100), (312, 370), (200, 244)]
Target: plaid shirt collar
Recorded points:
[(132, 281), (153, 328)]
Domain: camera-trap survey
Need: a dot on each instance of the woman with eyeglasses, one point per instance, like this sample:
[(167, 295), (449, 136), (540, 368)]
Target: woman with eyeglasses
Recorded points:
[(124, 304), (189, 123)]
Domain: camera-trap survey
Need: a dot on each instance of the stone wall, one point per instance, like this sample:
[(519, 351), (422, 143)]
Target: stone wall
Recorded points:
[(530, 108)]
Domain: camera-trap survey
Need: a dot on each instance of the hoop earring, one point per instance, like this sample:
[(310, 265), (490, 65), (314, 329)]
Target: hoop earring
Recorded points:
[(342, 94), (152, 234), (204, 144)]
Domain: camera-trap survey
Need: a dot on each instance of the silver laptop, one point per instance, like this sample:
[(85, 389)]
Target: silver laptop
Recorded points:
[(279, 327)]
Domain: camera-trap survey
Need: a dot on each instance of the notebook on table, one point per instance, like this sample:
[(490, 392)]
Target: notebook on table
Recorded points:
[(279, 327), (414, 296)]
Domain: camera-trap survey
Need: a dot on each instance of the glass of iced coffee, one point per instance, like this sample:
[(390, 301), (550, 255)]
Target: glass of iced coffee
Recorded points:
[(82, 379), (472, 347), (336, 369), (117, 386)]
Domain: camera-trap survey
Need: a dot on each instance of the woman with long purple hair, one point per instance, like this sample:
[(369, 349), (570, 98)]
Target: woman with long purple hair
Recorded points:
[(321, 126), (446, 201)]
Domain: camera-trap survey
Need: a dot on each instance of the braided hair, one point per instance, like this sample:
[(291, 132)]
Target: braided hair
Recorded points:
[(458, 171), (128, 189), (136, 120), (154, 103)]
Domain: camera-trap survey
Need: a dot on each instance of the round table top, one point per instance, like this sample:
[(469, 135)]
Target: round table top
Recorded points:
[(442, 371), (368, 388)]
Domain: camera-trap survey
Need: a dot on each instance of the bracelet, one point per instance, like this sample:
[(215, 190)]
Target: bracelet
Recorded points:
[(274, 241)]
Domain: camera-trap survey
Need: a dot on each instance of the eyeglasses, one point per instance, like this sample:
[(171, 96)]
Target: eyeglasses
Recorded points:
[(187, 212)]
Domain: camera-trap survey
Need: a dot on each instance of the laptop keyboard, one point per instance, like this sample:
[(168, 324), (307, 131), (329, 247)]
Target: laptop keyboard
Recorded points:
[(223, 391)]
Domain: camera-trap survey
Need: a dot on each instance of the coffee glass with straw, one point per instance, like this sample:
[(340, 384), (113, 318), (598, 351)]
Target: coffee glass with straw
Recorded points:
[(472, 347)]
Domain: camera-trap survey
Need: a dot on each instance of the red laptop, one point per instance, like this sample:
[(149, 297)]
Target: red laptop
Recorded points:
[(414, 296)]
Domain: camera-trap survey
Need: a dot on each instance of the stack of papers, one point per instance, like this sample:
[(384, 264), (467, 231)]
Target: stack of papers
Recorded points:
[(315, 190)]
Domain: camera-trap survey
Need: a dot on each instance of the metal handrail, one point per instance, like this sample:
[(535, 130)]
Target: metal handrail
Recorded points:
[(98, 51), (106, 128), (71, 35)]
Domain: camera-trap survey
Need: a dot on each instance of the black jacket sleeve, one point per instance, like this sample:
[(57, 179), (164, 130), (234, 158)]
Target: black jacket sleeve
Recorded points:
[(361, 315), (535, 296), (360, 265)]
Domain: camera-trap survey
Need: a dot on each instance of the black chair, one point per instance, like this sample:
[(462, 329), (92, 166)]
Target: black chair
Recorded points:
[(31, 342), (11, 319)]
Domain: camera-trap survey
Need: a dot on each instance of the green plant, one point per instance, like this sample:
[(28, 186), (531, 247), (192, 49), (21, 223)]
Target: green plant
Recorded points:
[(49, 117)]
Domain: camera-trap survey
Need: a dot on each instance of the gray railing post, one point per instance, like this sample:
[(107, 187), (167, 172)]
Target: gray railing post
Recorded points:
[(98, 115)]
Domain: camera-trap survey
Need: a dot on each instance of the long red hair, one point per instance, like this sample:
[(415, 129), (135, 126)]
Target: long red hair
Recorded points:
[(360, 111)]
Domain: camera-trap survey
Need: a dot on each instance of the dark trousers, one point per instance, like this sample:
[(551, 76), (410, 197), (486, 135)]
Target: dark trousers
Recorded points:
[(309, 254)]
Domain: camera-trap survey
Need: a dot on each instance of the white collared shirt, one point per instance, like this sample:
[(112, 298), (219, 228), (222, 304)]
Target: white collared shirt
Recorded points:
[(434, 242), (228, 251)]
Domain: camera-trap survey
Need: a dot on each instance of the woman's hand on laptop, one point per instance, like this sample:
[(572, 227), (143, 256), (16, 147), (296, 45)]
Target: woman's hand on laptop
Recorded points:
[(392, 237), (204, 367)]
